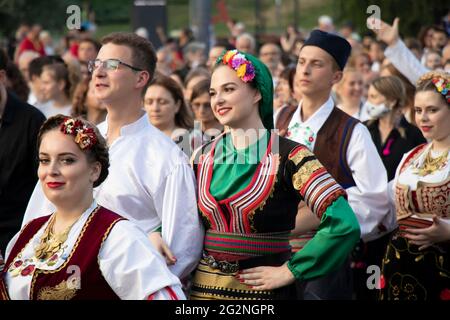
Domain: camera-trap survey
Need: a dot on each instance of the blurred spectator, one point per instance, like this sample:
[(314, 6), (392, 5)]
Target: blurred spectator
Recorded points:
[(408, 108), (24, 62), (392, 135), (433, 60), (84, 71), (367, 40), (207, 126), (88, 49), (47, 41), (349, 92), (166, 108), (447, 66), (270, 55), (22, 32), (19, 126), (376, 54), (299, 41), (57, 87), (347, 31), (215, 51), (288, 38), (186, 36), (164, 61), (142, 32), (325, 23), (16, 83), (439, 39), (85, 104), (193, 77), (31, 42), (70, 49), (360, 61), (414, 45), (446, 54), (425, 37), (367, 80), (246, 43), (284, 91), (194, 56), (36, 97), (236, 28)]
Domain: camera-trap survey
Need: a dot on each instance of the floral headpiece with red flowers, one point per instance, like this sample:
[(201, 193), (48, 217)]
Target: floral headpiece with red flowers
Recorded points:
[(85, 137), (237, 61), (443, 87)]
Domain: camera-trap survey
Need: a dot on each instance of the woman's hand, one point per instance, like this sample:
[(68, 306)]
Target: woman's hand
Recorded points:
[(266, 278), (439, 231), (385, 32), (159, 244)]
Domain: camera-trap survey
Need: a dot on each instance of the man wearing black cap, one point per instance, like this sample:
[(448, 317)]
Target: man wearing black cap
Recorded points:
[(343, 146)]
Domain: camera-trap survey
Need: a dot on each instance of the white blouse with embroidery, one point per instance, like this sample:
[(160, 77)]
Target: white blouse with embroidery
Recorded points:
[(410, 179), (130, 265)]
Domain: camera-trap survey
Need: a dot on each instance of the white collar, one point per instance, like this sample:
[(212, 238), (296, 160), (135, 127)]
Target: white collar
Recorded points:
[(129, 129), (316, 121)]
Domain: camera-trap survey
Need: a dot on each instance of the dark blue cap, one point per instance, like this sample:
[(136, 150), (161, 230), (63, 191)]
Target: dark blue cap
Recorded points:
[(336, 46)]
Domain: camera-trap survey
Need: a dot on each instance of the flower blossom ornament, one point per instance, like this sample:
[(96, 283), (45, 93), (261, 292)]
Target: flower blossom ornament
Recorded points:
[(84, 136), (237, 61), (443, 87)]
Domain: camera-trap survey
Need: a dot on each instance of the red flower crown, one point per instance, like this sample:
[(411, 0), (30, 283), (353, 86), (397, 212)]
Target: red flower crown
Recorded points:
[(85, 137)]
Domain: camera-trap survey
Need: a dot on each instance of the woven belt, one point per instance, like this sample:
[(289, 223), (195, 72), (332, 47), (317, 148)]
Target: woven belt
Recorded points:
[(246, 245)]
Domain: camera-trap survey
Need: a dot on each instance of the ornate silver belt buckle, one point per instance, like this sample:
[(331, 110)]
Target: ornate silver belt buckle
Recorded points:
[(224, 266)]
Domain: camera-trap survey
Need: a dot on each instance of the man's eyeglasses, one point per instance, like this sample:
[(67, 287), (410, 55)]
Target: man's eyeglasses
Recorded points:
[(109, 64)]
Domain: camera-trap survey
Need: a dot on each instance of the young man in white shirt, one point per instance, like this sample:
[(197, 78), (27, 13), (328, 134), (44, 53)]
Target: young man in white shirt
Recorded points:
[(150, 181), (344, 146)]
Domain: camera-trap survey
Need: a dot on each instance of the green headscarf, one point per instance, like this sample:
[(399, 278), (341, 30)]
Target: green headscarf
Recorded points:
[(251, 70)]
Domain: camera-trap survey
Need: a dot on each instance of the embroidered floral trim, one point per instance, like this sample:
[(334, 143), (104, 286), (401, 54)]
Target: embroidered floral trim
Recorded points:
[(301, 134), (84, 136), (237, 61)]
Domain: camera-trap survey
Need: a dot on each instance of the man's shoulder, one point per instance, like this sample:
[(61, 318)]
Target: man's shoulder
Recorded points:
[(25, 109), (156, 147)]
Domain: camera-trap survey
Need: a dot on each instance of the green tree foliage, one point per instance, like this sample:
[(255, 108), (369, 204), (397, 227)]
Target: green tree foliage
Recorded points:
[(413, 14), (51, 14)]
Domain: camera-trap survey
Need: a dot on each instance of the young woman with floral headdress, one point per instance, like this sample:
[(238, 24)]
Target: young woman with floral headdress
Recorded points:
[(416, 265), (82, 250), (250, 182)]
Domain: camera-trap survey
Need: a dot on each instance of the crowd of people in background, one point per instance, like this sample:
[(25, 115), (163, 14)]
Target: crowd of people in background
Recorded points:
[(362, 118)]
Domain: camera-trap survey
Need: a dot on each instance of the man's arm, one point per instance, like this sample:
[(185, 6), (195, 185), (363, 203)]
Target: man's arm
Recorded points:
[(398, 54), (369, 198), (182, 230)]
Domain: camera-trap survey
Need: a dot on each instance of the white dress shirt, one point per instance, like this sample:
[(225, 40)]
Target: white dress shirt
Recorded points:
[(130, 265), (150, 183), (369, 198)]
